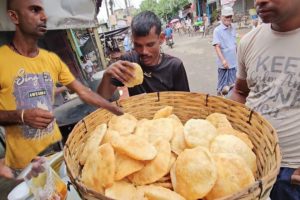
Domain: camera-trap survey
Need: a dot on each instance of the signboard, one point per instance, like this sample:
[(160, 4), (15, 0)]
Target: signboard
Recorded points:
[(230, 2)]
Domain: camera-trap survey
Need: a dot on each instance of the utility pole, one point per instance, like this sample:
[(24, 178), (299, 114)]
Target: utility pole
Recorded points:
[(111, 4), (127, 10), (129, 3), (107, 12), (106, 6)]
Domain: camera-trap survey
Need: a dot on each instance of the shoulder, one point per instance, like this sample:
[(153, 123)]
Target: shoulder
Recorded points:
[(218, 28), (49, 54), (172, 61), (4, 50), (253, 35)]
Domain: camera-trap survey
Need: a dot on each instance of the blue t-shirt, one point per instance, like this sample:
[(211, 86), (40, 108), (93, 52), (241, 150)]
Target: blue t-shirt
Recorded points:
[(168, 32)]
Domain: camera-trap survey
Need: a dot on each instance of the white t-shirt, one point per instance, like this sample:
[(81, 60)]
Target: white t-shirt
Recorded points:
[(88, 66), (270, 62)]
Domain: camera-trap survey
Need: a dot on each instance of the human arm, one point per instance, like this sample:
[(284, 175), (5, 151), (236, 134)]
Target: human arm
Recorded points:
[(295, 178), (5, 171), (90, 97), (119, 70), (35, 118), (217, 45), (36, 167), (240, 91), (221, 56), (59, 90)]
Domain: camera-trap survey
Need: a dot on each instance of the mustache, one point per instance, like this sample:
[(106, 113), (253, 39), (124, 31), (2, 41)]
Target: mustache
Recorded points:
[(144, 56)]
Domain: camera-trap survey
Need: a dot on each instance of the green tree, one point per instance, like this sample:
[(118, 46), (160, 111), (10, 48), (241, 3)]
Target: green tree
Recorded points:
[(165, 9), (150, 5)]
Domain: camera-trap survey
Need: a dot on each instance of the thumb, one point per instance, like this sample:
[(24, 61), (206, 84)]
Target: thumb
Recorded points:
[(295, 179)]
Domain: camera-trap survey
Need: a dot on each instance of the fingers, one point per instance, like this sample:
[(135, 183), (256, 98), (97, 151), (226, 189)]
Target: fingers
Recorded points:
[(5, 171), (122, 70), (110, 107), (38, 164), (116, 110), (37, 167), (295, 179), (38, 118)]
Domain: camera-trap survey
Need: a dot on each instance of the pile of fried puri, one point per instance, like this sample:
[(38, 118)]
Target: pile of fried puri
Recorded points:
[(162, 159)]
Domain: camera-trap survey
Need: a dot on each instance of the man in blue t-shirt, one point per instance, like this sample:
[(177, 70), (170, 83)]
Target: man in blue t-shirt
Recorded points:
[(168, 32)]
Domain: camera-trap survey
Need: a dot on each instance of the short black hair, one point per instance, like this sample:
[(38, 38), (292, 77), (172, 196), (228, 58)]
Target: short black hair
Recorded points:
[(10, 4), (143, 22), (82, 58)]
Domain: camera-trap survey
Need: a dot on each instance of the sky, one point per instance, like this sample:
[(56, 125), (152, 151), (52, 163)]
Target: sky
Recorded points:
[(118, 4)]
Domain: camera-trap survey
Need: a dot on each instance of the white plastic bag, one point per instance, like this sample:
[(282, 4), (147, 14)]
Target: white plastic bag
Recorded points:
[(47, 185)]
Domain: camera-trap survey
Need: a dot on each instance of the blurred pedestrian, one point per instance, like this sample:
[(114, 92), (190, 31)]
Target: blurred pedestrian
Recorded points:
[(224, 41), (88, 66)]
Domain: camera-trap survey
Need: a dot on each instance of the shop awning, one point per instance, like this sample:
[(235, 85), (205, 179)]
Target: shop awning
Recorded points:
[(62, 14)]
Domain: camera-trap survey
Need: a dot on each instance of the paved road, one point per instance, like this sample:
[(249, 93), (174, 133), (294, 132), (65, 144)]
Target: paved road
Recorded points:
[(199, 59)]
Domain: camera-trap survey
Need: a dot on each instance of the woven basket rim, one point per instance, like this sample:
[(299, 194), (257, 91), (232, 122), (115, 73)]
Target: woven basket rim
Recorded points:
[(259, 182)]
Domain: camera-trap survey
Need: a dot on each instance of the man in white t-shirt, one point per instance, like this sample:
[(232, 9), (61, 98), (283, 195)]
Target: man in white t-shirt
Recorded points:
[(88, 67), (268, 81)]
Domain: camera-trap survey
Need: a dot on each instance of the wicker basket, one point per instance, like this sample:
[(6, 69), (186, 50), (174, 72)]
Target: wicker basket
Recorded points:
[(186, 106)]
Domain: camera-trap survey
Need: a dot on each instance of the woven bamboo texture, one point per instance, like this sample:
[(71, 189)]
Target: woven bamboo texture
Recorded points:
[(186, 106)]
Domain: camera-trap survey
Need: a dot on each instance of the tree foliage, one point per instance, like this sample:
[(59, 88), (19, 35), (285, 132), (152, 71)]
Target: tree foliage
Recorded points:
[(150, 5), (165, 9)]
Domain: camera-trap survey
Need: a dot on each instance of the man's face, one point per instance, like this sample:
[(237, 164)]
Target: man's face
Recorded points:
[(30, 17), (226, 20), (148, 47), (276, 11)]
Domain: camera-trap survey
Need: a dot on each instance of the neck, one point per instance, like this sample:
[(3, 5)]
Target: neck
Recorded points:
[(159, 59), (285, 27), (26, 46)]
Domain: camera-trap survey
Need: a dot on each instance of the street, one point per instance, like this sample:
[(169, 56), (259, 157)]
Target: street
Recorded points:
[(199, 58)]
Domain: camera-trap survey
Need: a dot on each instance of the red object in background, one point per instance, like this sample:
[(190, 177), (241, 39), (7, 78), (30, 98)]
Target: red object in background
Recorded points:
[(193, 7)]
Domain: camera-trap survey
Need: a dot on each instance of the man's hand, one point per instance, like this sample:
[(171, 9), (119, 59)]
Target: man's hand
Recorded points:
[(121, 71), (5, 171), (36, 167), (92, 98), (295, 178), (225, 64), (113, 108), (37, 118)]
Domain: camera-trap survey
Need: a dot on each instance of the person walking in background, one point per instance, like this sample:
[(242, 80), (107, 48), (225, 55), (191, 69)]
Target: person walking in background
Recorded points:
[(205, 24), (88, 66), (169, 35), (127, 43), (189, 26), (268, 81), (224, 41)]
